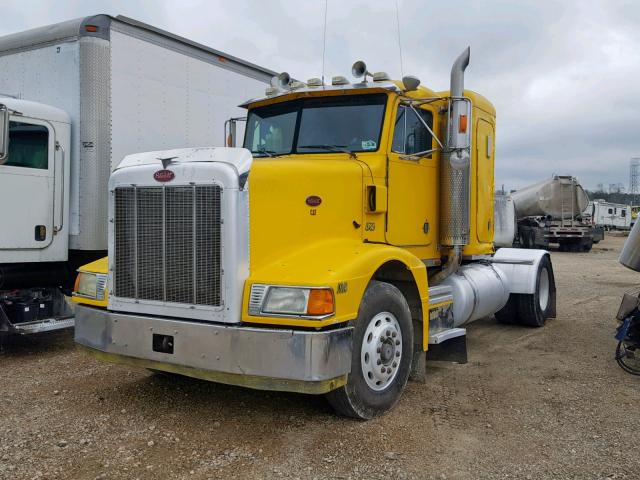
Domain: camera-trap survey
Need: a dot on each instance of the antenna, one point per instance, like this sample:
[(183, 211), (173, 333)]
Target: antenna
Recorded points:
[(634, 178), (324, 37), (399, 39)]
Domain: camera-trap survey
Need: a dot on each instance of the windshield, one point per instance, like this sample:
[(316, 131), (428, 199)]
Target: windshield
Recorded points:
[(345, 123)]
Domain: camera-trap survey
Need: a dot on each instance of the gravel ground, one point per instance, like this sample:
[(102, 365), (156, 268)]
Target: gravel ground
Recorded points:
[(530, 404)]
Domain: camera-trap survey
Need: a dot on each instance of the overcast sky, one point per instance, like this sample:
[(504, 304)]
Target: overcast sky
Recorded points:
[(564, 75)]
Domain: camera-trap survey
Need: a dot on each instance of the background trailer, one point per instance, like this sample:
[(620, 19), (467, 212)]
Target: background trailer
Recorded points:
[(76, 98)]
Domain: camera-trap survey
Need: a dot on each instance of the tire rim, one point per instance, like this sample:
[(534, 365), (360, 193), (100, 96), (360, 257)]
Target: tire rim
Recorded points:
[(543, 289), (381, 351)]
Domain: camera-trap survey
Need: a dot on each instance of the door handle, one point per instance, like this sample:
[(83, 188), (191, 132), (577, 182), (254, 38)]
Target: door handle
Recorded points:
[(57, 228)]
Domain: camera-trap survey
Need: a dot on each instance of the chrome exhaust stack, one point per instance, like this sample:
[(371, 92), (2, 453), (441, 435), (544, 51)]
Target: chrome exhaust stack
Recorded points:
[(480, 289), (455, 171), (455, 186)]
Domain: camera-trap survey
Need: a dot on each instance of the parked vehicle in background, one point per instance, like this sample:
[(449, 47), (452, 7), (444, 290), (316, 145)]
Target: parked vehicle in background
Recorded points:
[(634, 214), (547, 212), (76, 97), (610, 216)]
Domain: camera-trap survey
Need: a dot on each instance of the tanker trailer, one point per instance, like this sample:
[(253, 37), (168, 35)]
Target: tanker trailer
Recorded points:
[(505, 221), (550, 211)]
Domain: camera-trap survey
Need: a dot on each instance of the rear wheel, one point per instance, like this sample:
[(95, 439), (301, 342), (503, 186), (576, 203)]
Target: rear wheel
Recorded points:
[(532, 309), (381, 356), (535, 308)]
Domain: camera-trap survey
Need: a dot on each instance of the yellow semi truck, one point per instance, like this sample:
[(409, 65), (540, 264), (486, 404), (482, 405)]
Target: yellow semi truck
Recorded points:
[(352, 233)]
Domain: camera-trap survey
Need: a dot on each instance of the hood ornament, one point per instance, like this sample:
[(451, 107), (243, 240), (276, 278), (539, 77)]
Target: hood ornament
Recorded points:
[(166, 161)]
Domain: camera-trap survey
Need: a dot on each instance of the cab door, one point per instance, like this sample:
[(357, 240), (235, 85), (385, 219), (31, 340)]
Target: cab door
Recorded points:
[(485, 147), (27, 186), (412, 187)]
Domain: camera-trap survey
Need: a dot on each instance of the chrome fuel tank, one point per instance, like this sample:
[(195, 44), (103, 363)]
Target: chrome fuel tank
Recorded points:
[(479, 290)]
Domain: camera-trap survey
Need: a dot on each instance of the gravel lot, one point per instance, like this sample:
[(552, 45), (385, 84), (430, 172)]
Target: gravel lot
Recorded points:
[(531, 404)]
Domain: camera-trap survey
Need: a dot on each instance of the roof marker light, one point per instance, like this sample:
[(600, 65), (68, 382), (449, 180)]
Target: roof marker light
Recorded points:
[(381, 77), (339, 80), (410, 83)]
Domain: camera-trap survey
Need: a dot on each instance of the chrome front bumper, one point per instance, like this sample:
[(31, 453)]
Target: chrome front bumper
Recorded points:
[(263, 358)]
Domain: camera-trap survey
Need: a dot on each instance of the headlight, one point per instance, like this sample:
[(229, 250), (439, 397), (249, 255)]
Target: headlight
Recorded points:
[(90, 285), (291, 301), (286, 300)]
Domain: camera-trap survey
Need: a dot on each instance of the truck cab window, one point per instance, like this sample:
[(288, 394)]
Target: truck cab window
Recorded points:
[(349, 123), (28, 146), (410, 135), (344, 123), (271, 132)]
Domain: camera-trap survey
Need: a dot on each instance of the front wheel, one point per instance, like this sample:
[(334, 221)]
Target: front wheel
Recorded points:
[(381, 355)]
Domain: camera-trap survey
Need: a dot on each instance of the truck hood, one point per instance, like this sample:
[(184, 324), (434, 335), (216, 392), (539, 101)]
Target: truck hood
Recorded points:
[(295, 202), (239, 158)]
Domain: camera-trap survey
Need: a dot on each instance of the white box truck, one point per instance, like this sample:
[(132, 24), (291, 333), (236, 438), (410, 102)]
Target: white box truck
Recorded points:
[(75, 98)]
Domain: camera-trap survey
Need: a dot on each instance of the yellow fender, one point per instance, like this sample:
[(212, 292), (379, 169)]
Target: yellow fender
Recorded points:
[(345, 265)]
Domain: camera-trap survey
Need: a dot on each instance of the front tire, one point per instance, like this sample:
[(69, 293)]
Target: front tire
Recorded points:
[(381, 355)]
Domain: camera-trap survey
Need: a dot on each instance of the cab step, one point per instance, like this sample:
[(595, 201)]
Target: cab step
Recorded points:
[(47, 325)]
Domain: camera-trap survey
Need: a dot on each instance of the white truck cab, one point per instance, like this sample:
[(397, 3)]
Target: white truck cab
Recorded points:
[(34, 212), (34, 173), (75, 99)]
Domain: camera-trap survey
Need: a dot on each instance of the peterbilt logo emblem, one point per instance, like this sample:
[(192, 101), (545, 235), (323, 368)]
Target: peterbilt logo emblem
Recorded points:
[(164, 175), (314, 201)]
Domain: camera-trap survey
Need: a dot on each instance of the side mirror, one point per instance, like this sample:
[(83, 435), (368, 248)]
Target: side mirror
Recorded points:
[(4, 133), (230, 131)]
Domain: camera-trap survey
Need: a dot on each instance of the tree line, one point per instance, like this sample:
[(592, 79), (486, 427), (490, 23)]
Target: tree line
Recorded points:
[(614, 197)]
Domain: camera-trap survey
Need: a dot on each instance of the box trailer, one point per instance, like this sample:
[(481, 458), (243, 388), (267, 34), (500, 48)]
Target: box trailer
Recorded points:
[(76, 98)]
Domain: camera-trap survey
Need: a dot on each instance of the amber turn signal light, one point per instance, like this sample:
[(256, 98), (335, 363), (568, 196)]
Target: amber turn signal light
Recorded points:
[(320, 302), (463, 124)]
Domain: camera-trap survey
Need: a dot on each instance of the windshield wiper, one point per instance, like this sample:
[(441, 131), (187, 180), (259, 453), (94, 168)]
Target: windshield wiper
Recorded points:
[(331, 148), (269, 153)]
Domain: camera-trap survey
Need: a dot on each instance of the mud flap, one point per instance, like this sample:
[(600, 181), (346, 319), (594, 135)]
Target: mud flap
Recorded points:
[(453, 350), (448, 346)]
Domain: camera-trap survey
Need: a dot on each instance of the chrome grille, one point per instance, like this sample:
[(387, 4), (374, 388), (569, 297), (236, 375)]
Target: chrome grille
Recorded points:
[(168, 244)]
